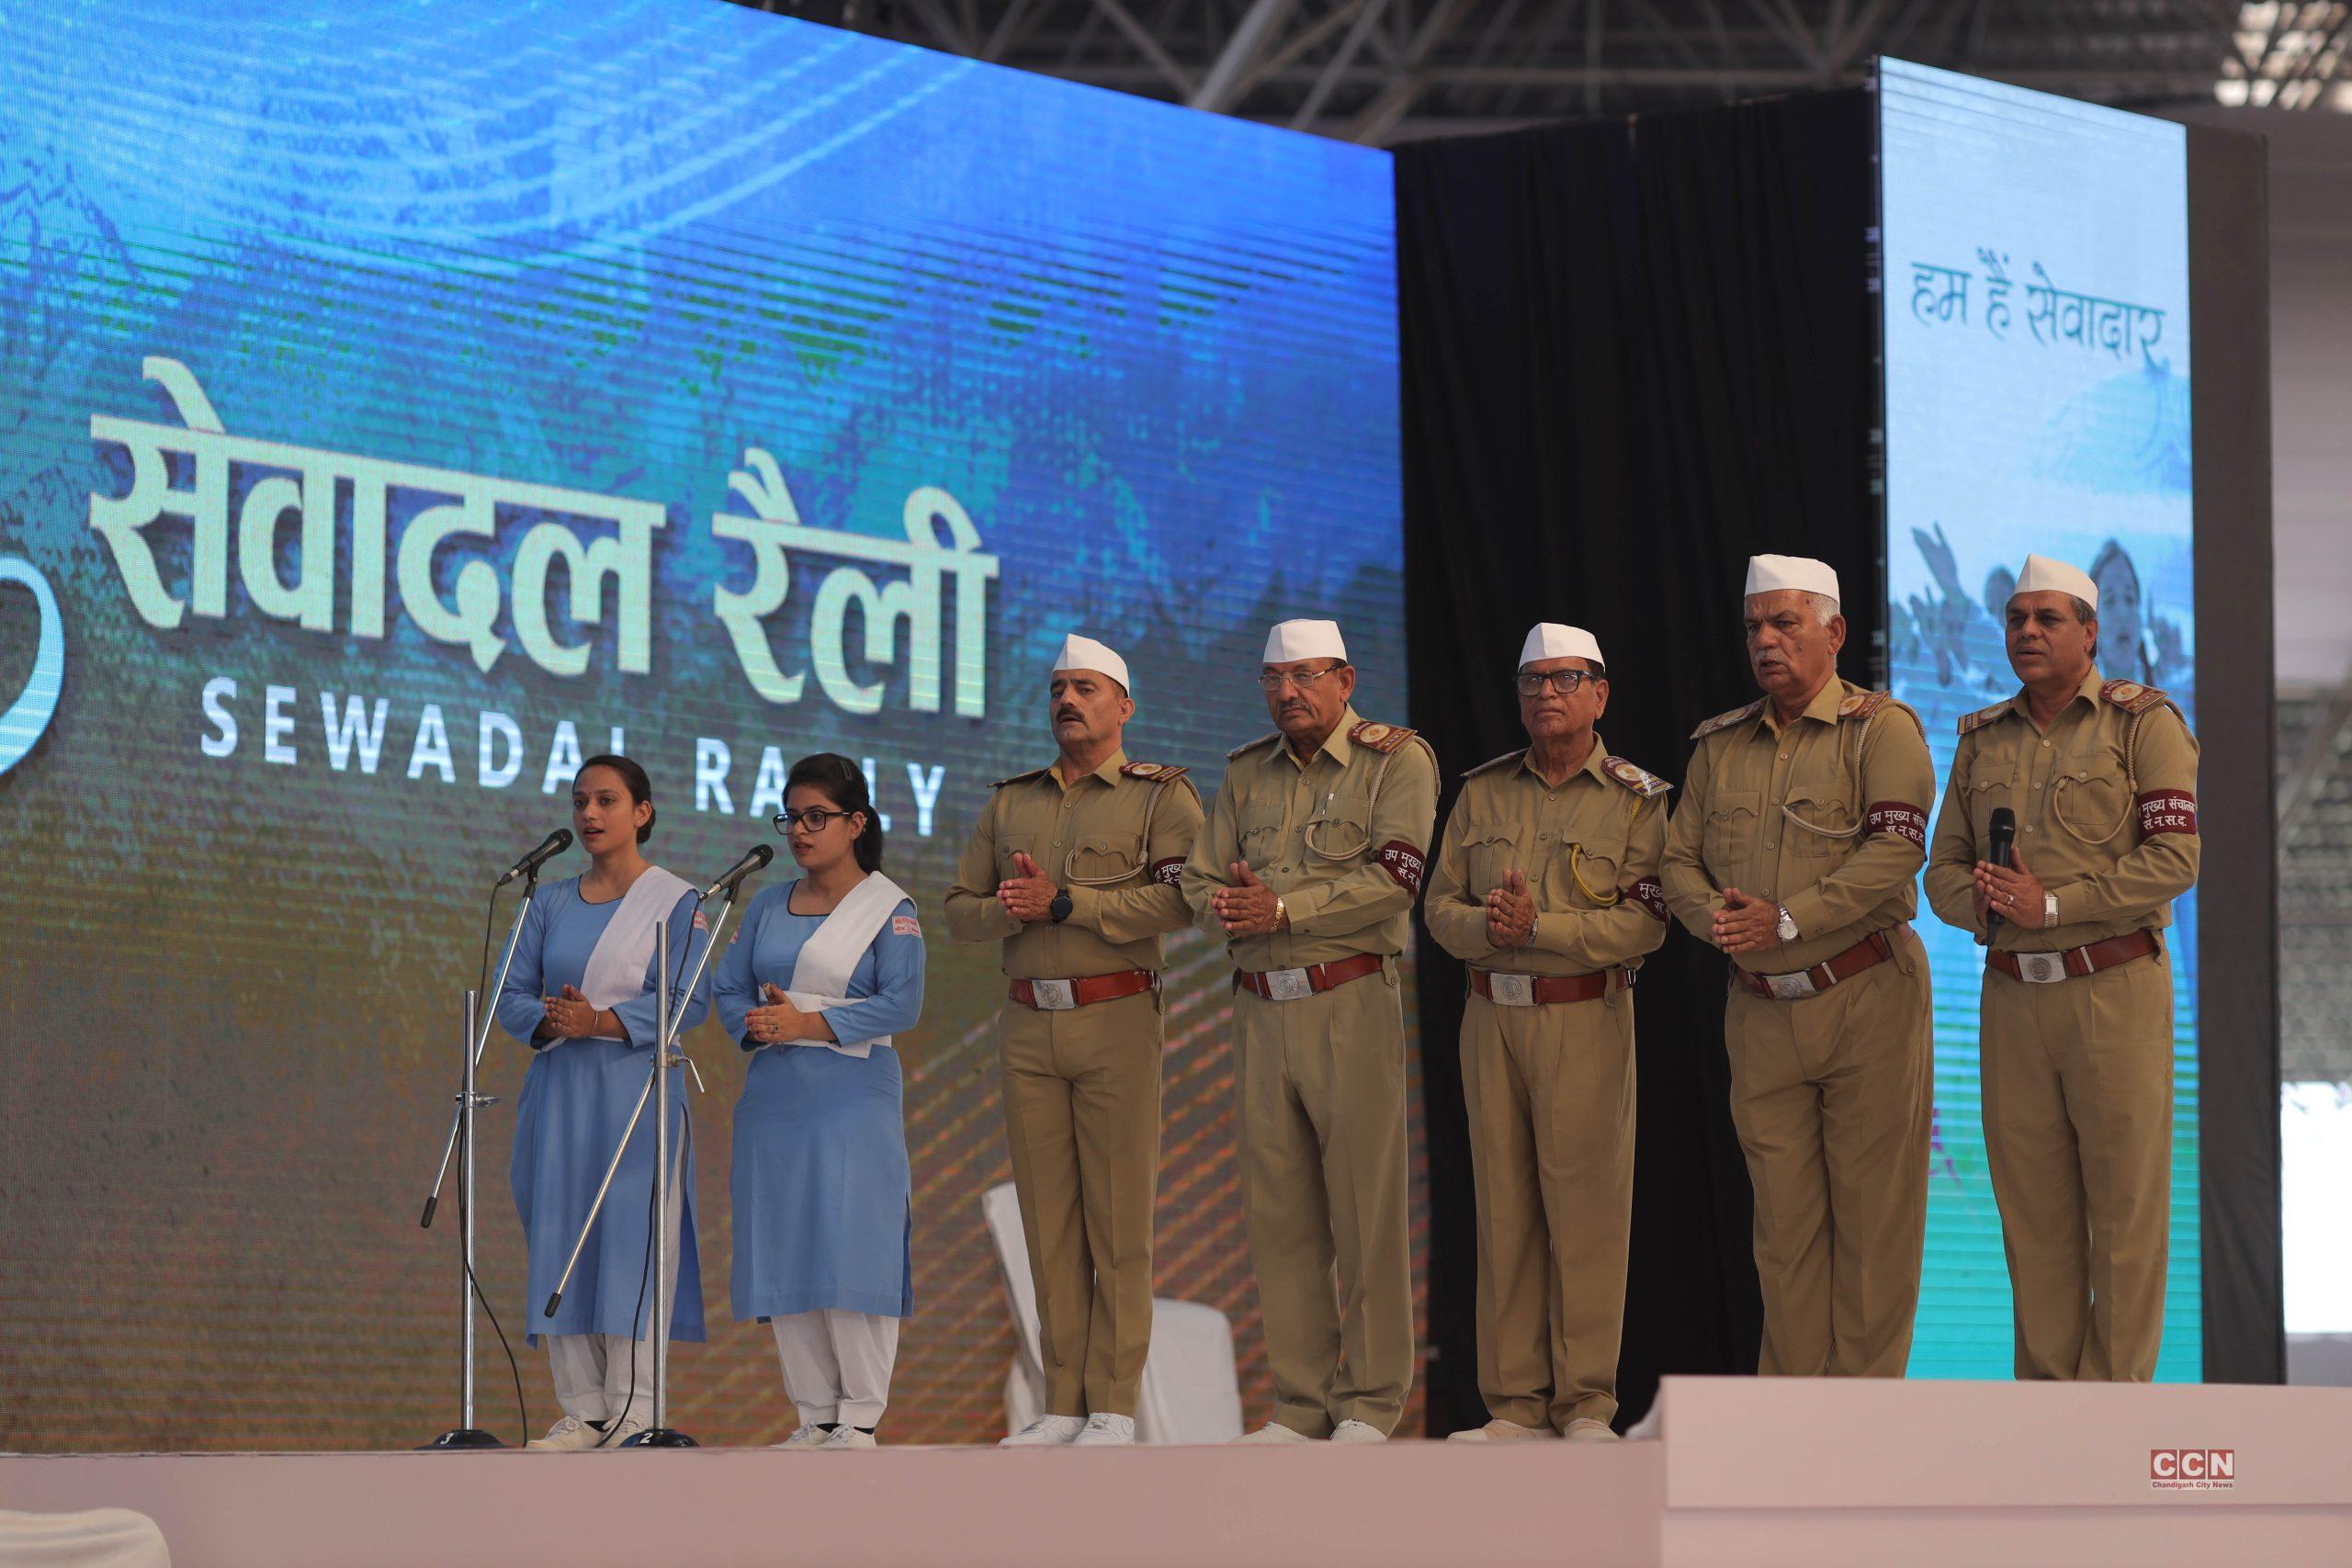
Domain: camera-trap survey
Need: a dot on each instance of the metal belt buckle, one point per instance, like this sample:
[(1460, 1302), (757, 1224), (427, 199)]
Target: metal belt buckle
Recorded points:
[(1054, 996), (1288, 985), (1793, 986), (1512, 990), (2041, 968)]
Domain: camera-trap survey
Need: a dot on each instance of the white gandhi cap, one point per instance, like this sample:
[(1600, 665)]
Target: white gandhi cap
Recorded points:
[(1305, 639), (2042, 575), (1551, 640), (1770, 574), (1084, 653)]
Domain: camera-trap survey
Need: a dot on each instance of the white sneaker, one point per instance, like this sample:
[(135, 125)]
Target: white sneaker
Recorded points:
[(1500, 1431), (1273, 1432), (1045, 1432), (806, 1436), (622, 1430), (570, 1435), (846, 1436), (1104, 1430), (1588, 1430), (1358, 1432)]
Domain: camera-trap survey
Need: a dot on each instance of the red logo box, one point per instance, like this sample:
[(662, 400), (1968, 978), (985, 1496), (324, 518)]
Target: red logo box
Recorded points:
[(2192, 1469)]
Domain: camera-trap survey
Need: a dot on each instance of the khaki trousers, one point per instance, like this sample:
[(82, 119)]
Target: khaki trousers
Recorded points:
[(1082, 1113), (1834, 1097), (2078, 1128), (1550, 1098), (1319, 1089)]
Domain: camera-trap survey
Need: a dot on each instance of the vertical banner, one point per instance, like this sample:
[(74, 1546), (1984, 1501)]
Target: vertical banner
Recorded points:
[(2036, 301)]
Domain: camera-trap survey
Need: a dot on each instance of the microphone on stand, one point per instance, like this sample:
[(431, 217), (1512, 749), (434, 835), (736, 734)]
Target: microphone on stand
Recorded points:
[(554, 844), (2000, 838), (757, 856)]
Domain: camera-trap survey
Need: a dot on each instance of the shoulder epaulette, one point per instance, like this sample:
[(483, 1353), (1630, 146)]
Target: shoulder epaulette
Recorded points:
[(1862, 704), (1489, 766), (1380, 737), (1725, 720), (1641, 781), (1154, 773), (2132, 696), (1982, 717), (1249, 746), (1021, 778)]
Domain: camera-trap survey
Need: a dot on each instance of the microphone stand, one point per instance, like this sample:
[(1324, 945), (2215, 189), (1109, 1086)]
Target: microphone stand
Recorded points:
[(466, 1435), (657, 1436)]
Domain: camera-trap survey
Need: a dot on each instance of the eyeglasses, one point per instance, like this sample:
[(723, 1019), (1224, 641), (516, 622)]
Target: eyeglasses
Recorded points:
[(1275, 680), (1564, 682), (816, 819)]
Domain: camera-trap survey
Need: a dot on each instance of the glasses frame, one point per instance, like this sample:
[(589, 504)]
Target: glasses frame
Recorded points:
[(825, 813), (1576, 680), (1275, 680)]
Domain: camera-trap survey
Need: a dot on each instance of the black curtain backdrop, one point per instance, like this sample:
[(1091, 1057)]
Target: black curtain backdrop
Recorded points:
[(1635, 354)]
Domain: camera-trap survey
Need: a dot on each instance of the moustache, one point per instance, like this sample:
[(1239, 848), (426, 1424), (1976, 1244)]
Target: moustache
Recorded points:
[(1067, 713)]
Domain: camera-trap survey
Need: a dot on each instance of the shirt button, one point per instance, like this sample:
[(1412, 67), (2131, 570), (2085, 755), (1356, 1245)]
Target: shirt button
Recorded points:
[(1545, 834), (2045, 745), (2037, 786), (1784, 756), (2029, 826)]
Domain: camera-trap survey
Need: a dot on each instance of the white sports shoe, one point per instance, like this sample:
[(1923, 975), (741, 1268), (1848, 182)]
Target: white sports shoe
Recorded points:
[(1273, 1432), (1045, 1432), (1500, 1431), (1104, 1430), (1358, 1432), (625, 1428), (1588, 1430), (809, 1436), (846, 1436), (570, 1434)]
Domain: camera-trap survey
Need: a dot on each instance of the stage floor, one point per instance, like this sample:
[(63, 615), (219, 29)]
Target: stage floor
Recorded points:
[(1746, 1472)]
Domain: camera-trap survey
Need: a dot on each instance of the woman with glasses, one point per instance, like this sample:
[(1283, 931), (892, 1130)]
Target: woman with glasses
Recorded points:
[(827, 969)]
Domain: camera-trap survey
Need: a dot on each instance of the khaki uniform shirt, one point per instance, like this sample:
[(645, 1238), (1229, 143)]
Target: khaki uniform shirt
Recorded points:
[(1115, 840), (1827, 815), (1591, 851), (2106, 805), (1347, 863)]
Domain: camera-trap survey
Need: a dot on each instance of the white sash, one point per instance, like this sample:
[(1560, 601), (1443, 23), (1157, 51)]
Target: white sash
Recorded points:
[(820, 975), (617, 968)]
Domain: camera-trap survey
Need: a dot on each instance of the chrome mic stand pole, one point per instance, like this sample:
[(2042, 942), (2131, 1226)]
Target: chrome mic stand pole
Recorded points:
[(466, 1435), (477, 1033), (658, 1435)]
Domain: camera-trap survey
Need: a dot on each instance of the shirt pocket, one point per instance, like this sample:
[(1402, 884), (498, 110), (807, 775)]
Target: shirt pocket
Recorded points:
[(2088, 797), (1340, 832), (1011, 844), (1257, 827), (1979, 798), (1729, 840), (1818, 826), (1490, 850), (1592, 870), (1099, 860)]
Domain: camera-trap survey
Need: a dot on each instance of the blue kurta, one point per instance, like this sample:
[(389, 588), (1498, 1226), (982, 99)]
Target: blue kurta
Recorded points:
[(823, 1198), (576, 1099)]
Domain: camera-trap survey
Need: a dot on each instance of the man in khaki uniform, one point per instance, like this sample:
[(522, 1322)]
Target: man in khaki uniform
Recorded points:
[(1073, 867), (1803, 824), (1547, 885), (2076, 1024), (1308, 867)]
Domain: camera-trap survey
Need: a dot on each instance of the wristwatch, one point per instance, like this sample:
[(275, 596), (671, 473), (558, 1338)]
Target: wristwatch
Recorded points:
[(2049, 908), (1788, 926), (1060, 907)]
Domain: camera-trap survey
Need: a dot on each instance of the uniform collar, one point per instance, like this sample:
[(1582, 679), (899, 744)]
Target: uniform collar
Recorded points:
[(1592, 764), (1108, 772), (1823, 706), (2088, 692), (1338, 747)]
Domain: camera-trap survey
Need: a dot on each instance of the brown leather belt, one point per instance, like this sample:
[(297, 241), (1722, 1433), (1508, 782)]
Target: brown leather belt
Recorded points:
[(1290, 985), (2073, 962), (1060, 995), (1532, 991), (1799, 984)]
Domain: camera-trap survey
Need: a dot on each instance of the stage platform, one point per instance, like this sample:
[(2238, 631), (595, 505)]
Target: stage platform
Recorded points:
[(1744, 1472)]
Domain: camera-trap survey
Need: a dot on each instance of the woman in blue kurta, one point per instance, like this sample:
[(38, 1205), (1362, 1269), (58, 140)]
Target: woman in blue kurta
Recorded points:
[(581, 994), (827, 969)]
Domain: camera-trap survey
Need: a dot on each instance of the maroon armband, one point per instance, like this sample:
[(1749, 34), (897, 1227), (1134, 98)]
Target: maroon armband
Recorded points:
[(1404, 864), (1168, 872), (1904, 821), (1650, 896), (2167, 811)]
